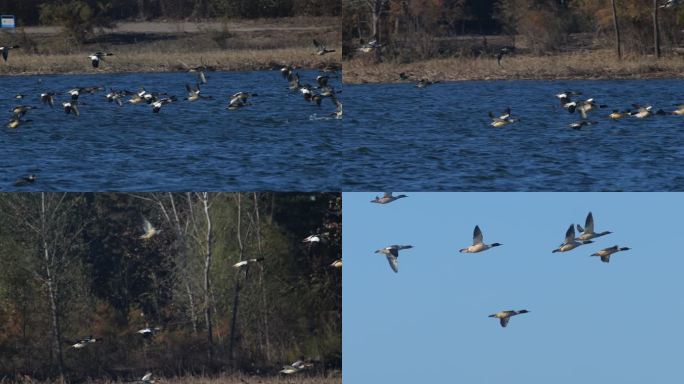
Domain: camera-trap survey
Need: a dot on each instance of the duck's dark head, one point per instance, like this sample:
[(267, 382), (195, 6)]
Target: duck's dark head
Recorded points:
[(496, 244)]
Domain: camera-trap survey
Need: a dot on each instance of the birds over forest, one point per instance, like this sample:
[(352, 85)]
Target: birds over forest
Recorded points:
[(585, 235)]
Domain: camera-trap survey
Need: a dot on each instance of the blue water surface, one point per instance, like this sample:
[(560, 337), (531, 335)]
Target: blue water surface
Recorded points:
[(399, 137), (280, 143)]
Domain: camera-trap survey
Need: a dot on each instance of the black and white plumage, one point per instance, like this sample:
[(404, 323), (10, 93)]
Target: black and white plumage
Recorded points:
[(369, 46), (48, 98), (25, 180), (84, 342), (96, 57), (70, 108), (669, 4), (577, 125), (148, 331), (157, 105), (504, 316), (240, 100), (244, 263), (5, 50)]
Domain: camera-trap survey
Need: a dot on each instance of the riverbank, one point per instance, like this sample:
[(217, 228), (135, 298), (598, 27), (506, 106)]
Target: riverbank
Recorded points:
[(176, 46), (586, 65)]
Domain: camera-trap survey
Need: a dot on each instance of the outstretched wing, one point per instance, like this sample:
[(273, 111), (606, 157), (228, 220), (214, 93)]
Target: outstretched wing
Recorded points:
[(477, 235), (393, 259), (504, 321), (589, 224), (570, 234)]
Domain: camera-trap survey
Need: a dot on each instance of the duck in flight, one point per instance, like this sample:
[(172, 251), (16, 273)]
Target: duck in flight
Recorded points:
[(369, 46), (505, 316), (617, 114), (669, 4), (194, 93), (338, 107), (149, 230), (147, 379), (246, 262), (570, 242), (240, 100), (20, 110), (148, 332), (502, 120), (25, 180), (566, 97), (587, 233), (320, 48), (296, 367), (392, 253), (579, 124), (48, 98), (478, 244), (387, 198), (85, 342), (157, 105), (70, 108), (5, 51), (96, 57), (605, 253), (502, 52), (424, 83), (337, 263), (15, 121), (582, 107)]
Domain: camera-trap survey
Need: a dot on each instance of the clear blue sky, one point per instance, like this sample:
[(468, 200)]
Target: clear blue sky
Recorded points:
[(590, 322)]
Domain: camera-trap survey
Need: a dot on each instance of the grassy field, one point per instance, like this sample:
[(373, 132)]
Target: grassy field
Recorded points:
[(170, 46), (596, 64), (233, 379)]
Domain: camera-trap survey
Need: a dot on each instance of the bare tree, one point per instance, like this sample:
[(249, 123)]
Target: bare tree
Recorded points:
[(617, 31), (656, 30), (204, 198)]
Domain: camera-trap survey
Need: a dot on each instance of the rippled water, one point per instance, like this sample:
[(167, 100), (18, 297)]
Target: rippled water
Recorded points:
[(281, 142), (399, 137)]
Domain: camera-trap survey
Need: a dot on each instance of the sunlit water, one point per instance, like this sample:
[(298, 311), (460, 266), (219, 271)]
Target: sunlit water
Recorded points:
[(281, 142), (399, 137)]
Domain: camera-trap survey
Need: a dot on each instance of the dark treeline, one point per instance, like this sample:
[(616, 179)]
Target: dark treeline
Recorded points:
[(28, 11), (541, 26), (74, 265)]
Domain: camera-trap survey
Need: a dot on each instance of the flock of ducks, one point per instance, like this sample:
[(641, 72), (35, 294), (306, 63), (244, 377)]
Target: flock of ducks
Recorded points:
[(149, 231), (156, 100), (583, 107), (587, 236)]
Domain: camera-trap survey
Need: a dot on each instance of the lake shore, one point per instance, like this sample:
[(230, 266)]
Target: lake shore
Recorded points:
[(590, 65), (159, 46)]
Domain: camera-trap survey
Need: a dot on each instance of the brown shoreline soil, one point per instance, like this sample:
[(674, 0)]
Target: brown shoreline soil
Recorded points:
[(168, 46), (591, 65)]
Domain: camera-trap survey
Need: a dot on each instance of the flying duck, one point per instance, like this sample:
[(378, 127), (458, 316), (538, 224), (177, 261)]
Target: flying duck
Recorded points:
[(201, 77), (117, 96), (194, 93), (317, 238), (320, 48), (147, 379), (423, 83), (322, 80), (156, 106), (20, 110), (670, 4), (338, 109), (566, 97), (148, 331), (82, 343), (70, 107), (504, 316), (337, 263), (16, 121), (48, 98), (296, 367), (641, 112), (97, 56), (19, 96), (369, 46), (587, 233), (605, 253), (76, 92), (25, 180), (239, 100), (386, 198), (583, 107), (243, 263), (478, 244), (570, 243), (150, 231), (616, 114), (392, 253), (679, 111), (502, 52), (5, 51), (502, 120), (579, 124)]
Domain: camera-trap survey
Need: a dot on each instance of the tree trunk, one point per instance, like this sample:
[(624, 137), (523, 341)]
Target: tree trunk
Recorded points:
[(617, 31), (264, 303), (52, 290), (207, 283), (656, 30), (236, 297)]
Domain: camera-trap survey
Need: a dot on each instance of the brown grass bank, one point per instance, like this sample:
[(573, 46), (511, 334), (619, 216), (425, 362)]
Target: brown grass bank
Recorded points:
[(599, 64), (161, 46)]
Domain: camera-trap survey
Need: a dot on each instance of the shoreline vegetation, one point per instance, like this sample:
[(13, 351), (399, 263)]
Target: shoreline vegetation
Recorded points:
[(194, 379), (177, 46), (585, 65)]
